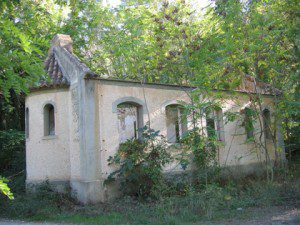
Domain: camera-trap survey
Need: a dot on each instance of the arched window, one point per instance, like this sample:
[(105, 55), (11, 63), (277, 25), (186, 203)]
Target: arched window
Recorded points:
[(130, 120), (176, 123), (215, 124), (49, 120), (248, 122), (27, 122), (267, 123)]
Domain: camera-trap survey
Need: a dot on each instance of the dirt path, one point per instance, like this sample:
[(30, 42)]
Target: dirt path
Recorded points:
[(271, 216), (13, 222), (275, 216)]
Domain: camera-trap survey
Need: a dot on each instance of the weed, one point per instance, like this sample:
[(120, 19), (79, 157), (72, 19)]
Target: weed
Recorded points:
[(237, 199)]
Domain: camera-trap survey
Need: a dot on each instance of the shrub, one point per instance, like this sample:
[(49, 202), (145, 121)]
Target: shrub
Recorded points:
[(12, 151), (39, 205), (12, 157), (140, 163)]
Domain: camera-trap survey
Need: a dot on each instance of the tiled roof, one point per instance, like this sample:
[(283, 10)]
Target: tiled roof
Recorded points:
[(54, 70), (52, 65), (251, 85)]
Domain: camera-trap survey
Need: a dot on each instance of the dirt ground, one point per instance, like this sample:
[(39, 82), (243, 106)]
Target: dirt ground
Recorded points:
[(273, 216)]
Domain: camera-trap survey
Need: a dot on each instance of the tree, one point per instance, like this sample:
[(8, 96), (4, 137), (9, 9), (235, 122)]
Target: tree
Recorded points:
[(145, 41), (255, 39), (26, 29)]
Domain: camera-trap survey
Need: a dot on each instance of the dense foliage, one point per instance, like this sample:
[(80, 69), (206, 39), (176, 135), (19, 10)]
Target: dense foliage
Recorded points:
[(12, 158), (140, 163), (12, 151), (26, 28)]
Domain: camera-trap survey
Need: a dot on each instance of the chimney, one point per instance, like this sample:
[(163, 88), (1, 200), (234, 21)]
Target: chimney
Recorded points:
[(63, 41), (59, 40)]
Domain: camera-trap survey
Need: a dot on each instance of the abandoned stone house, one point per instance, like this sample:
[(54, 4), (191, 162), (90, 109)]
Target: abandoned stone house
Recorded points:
[(77, 121)]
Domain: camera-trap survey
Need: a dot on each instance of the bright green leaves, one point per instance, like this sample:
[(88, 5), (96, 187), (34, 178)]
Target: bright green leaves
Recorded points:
[(151, 41), (26, 30), (24, 43), (4, 188), (155, 41)]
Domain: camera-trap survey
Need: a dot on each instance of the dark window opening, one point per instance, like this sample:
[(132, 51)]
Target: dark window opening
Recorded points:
[(214, 125), (49, 120), (267, 123), (248, 122), (27, 122), (176, 123), (210, 127)]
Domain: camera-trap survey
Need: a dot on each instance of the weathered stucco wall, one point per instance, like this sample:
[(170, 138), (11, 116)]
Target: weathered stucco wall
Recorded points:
[(47, 157), (154, 98), (237, 150), (87, 132)]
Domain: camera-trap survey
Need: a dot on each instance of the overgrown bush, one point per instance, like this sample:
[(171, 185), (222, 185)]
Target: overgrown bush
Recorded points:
[(237, 199), (140, 163), (40, 205), (202, 152), (12, 158), (12, 152)]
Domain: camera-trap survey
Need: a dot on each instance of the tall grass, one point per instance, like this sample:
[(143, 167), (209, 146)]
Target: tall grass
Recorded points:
[(234, 199)]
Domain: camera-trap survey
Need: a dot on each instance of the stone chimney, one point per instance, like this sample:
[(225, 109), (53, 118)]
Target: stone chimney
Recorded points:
[(63, 41)]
